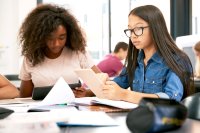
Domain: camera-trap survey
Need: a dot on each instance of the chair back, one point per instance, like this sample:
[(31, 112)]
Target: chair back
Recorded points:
[(192, 103), (12, 76)]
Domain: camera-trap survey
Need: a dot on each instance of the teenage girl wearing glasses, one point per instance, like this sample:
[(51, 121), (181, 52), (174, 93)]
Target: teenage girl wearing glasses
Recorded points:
[(155, 66)]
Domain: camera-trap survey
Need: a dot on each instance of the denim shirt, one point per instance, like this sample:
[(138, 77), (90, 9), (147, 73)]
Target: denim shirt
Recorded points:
[(157, 78)]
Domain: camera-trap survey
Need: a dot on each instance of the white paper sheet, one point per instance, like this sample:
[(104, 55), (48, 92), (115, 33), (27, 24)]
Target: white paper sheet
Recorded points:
[(118, 104), (35, 117), (17, 101), (79, 118), (89, 118), (59, 94), (83, 101), (45, 127)]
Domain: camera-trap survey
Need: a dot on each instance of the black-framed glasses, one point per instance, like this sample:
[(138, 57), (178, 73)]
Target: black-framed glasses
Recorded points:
[(138, 31)]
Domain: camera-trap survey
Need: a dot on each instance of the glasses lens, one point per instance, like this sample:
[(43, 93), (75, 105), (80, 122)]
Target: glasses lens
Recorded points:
[(128, 32), (138, 31)]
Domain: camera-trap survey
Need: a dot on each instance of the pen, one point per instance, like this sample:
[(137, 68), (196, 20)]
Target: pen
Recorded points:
[(63, 104)]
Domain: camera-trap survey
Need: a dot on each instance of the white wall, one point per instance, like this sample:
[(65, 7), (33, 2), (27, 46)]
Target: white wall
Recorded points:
[(12, 13), (195, 17), (186, 43), (163, 5)]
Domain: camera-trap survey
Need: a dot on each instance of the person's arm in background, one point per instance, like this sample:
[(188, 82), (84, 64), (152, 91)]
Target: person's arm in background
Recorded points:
[(96, 69), (7, 89), (26, 88)]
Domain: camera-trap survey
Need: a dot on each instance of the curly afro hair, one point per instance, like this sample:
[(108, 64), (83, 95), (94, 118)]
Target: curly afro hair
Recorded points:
[(42, 21)]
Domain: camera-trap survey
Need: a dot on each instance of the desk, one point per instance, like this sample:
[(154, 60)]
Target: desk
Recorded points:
[(190, 126)]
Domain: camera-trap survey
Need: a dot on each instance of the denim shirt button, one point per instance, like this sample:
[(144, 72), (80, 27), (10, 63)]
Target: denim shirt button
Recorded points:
[(175, 95), (153, 82)]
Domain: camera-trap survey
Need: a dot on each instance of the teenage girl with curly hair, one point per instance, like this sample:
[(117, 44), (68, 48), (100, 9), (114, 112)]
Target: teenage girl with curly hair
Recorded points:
[(53, 45)]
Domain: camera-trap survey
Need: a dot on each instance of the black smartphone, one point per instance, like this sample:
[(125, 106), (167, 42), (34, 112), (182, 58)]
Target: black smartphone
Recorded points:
[(39, 93), (74, 85)]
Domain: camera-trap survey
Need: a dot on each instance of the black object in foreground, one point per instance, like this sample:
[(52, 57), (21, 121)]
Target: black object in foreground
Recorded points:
[(4, 112), (156, 115), (192, 103)]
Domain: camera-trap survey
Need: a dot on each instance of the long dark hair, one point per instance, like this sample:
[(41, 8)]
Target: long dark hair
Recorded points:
[(175, 58), (42, 21)]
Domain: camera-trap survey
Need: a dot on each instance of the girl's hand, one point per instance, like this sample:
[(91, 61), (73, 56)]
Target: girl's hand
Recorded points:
[(103, 76), (79, 92), (112, 91), (82, 92)]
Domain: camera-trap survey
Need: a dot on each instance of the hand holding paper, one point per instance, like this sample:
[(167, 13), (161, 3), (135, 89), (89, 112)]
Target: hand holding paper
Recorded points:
[(103, 77)]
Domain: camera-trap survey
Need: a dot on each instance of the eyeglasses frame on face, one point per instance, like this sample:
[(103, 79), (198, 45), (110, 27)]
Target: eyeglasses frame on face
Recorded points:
[(132, 31)]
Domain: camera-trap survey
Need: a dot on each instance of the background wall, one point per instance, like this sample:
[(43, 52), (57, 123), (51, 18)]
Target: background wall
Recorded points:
[(12, 13)]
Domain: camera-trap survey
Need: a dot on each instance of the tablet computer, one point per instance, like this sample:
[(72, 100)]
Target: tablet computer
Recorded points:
[(39, 93), (90, 78)]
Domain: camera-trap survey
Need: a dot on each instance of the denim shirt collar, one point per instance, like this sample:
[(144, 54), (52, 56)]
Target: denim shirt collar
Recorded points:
[(155, 58)]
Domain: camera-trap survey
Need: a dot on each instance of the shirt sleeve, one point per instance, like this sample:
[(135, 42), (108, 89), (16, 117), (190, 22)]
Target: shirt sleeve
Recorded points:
[(162, 95), (24, 71), (122, 79), (173, 88), (86, 60)]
